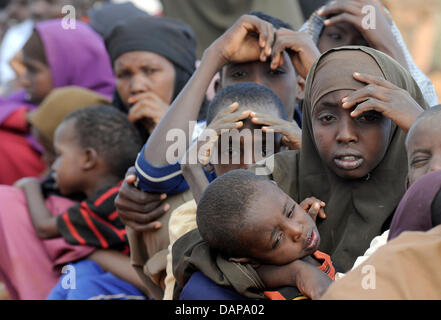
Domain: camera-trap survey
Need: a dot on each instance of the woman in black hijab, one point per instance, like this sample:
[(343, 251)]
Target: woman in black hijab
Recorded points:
[(153, 58)]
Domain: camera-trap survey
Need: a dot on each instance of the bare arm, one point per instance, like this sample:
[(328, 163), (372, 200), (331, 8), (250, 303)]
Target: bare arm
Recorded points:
[(44, 223), (310, 280), (194, 175), (249, 39)]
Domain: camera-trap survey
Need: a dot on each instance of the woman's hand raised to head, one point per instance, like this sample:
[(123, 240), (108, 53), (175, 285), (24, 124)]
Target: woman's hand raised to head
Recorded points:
[(248, 39), (301, 48), (382, 96), (378, 34), (137, 209)]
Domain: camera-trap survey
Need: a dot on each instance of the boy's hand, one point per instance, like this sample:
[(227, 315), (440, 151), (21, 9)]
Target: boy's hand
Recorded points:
[(314, 207), (27, 181), (379, 37), (301, 48), (225, 120), (309, 279), (148, 108), (292, 134), (138, 209), (382, 96), (248, 39)]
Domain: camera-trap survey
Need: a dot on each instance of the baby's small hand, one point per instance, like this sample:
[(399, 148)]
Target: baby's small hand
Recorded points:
[(314, 207)]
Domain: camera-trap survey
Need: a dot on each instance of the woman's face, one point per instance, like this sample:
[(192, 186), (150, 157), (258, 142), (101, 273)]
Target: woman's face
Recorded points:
[(142, 71), (338, 35), (37, 81), (350, 147)]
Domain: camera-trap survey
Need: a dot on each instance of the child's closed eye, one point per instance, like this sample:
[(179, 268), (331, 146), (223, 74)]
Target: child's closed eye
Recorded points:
[(419, 161)]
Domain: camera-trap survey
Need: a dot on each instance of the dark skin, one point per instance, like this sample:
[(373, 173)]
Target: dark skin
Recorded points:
[(37, 81), (145, 83), (283, 251), (344, 26), (247, 44), (423, 148), (77, 169), (48, 155), (240, 153), (350, 146)]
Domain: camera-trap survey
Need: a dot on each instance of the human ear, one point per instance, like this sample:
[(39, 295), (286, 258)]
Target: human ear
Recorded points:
[(217, 85), (90, 159), (300, 87), (407, 182)]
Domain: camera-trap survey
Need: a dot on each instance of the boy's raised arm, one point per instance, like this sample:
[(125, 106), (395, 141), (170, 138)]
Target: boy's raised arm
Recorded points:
[(249, 39)]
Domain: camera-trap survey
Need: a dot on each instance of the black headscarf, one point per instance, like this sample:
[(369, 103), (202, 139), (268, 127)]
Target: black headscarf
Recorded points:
[(169, 38), (107, 16)]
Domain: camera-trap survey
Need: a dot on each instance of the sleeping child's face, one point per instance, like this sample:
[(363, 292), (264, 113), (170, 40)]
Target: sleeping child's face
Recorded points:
[(423, 146), (68, 172), (278, 230), (350, 147)]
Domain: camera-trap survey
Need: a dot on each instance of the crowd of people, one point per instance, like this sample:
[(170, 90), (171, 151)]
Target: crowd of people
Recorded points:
[(309, 153)]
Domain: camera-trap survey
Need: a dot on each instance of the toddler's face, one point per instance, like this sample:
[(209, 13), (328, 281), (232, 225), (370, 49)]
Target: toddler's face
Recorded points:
[(423, 149), (279, 230), (68, 172)]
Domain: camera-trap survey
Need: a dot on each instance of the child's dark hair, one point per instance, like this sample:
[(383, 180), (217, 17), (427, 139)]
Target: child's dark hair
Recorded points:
[(109, 132), (249, 94), (276, 22), (222, 211)]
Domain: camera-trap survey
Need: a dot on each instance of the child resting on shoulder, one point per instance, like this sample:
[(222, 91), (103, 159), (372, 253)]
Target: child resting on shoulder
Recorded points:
[(248, 219), (94, 147)]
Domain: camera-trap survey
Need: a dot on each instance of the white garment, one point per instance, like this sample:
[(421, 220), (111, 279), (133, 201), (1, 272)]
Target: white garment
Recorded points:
[(376, 243), (13, 41)]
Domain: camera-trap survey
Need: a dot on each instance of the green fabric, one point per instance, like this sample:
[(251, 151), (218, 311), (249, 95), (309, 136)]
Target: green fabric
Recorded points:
[(356, 210)]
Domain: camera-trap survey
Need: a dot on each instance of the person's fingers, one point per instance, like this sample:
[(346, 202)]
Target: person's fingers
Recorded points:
[(131, 193), (144, 218), (370, 104), (144, 227), (322, 214), (306, 203), (130, 179), (149, 95), (123, 204), (277, 53), (276, 129), (344, 17), (336, 7), (361, 95), (234, 117), (314, 208), (370, 79), (144, 109), (270, 34)]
